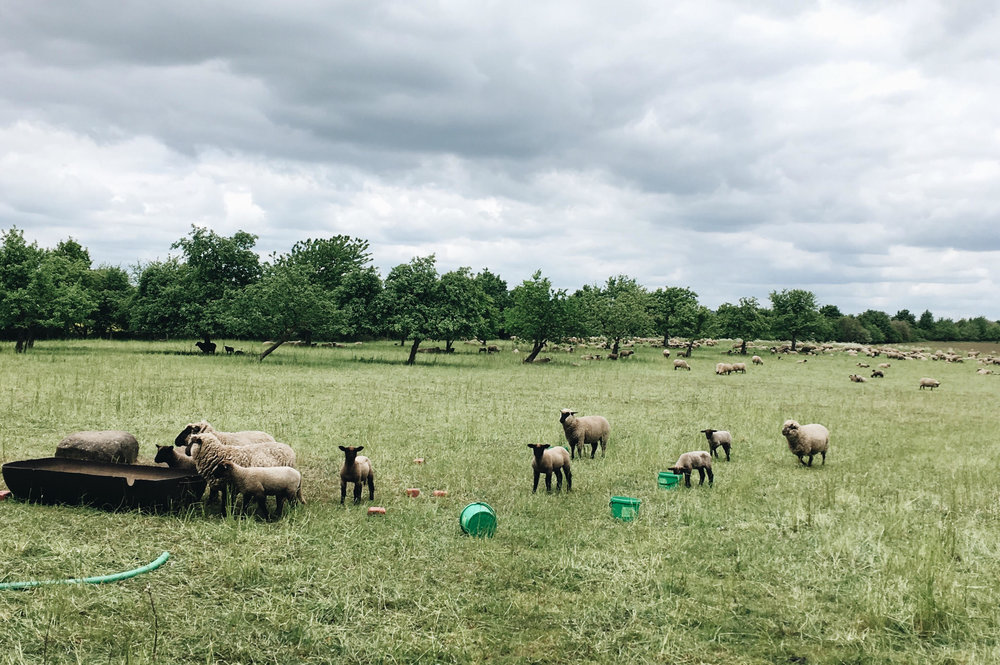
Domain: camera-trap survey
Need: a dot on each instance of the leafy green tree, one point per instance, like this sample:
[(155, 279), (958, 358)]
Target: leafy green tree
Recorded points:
[(905, 315), (497, 302), (878, 325), (412, 302), (463, 306), (926, 324), (328, 260), (794, 315), (691, 322), (849, 329), (112, 291), (624, 310), (538, 313), (667, 306), (27, 289), (161, 304), (745, 321), (356, 301)]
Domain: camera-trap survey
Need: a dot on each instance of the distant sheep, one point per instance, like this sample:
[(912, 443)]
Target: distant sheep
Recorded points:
[(716, 438), (548, 461), (356, 469), (582, 430), (805, 440), (757, 360), (739, 367), (681, 364), (666, 353), (929, 383), (206, 346), (856, 378), (723, 368), (696, 459), (878, 374)]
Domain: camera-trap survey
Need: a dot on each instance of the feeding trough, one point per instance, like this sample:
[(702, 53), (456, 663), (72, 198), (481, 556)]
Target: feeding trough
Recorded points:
[(62, 480), (667, 480), (478, 519), (625, 508)]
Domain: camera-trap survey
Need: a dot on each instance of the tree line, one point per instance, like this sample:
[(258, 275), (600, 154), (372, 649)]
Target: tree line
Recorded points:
[(218, 287)]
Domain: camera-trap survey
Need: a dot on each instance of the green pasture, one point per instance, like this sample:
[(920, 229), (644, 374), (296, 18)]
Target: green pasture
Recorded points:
[(890, 553)]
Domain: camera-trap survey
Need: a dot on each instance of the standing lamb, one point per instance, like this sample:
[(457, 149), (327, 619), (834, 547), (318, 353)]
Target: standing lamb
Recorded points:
[(929, 383), (356, 469), (281, 482), (716, 438), (208, 452), (548, 461), (583, 430), (696, 459), (805, 440), (175, 458), (229, 438), (681, 364)]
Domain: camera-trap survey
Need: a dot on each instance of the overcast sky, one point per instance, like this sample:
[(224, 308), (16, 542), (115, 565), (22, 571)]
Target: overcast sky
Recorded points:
[(847, 148)]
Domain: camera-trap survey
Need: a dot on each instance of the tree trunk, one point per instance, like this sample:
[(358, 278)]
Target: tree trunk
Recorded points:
[(413, 351), (687, 354), (614, 347), (666, 341), (535, 351), (743, 348), (281, 340), (793, 342), (447, 345)]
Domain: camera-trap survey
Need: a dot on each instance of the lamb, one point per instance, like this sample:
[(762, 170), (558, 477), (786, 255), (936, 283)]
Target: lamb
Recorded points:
[(878, 374), (805, 440), (929, 383), (884, 365), (696, 459), (716, 438), (208, 452), (739, 367), (229, 438), (666, 353), (356, 469), (583, 430), (548, 461), (229, 350), (681, 364), (281, 482), (757, 360), (175, 458), (856, 378)]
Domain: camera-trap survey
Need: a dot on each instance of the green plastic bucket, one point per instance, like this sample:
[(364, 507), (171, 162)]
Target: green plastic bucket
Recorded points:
[(668, 480), (625, 508), (478, 519)]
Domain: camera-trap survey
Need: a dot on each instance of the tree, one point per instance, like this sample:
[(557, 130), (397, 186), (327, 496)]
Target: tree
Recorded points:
[(794, 314), (27, 289), (356, 301), (926, 324), (112, 291), (878, 325), (666, 307), (161, 304), (849, 329), (623, 310), (411, 302), (745, 321), (463, 306), (328, 260), (497, 301), (691, 321), (538, 313)]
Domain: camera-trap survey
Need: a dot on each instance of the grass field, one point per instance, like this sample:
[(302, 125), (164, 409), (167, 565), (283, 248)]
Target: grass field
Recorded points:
[(890, 553)]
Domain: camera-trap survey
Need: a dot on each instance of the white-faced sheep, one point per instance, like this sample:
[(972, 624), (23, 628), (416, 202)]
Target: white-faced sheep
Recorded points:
[(208, 452), (548, 461), (803, 440), (716, 438), (229, 438), (583, 430), (681, 364), (739, 367), (356, 469), (723, 368), (929, 383), (281, 482), (696, 459), (175, 458), (757, 360)]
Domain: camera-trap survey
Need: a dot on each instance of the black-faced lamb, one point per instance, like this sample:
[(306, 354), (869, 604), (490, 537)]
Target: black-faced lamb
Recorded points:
[(584, 430), (878, 374), (716, 438), (175, 458), (208, 452), (356, 469), (696, 459), (549, 460), (229, 438), (281, 482), (929, 383), (803, 440)]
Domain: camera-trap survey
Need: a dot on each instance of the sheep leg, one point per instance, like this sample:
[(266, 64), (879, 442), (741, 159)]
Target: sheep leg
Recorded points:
[(701, 476), (262, 504), (824, 457), (712, 448), (810, 459), (343, 491), (548, 481), (279, 504), (371, 486), (726, 447), (801, 460), (534, 488), (711, 478), (569, 480), (593, 449), (558, 479), (687, 478), (357, 492), (604, 446)]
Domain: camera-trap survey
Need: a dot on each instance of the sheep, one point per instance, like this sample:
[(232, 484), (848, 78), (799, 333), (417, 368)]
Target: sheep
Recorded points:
[(206, 346), (884, 365), (356, 469), (681, 364), (229, 438), (229, 350), (805, 440), (208, 451), (492, 348), (929, 383), (878, 374), (864, 365), (548, 461), (716, 438), (281, 482), (175, 458), (666, 353), (757, 360), (583, 430), (696, 459), (723, 368), (984, 371), (856, 378), (739, 367)]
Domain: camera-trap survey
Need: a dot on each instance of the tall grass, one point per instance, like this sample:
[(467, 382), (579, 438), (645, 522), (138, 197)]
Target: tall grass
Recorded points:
[(889, 553)]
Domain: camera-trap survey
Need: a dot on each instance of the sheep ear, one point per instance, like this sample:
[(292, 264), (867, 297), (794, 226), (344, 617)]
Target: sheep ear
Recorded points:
[(342, 448), (545, 445), (531, 445), (359, 449)]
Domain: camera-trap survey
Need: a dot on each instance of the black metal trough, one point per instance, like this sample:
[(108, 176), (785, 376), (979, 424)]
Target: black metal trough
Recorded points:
[(61, 480)]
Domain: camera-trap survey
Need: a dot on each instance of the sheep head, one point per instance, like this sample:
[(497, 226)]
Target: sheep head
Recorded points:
[(566, 413), (538, 449), (191, 429), (709, 432), (789, 427)]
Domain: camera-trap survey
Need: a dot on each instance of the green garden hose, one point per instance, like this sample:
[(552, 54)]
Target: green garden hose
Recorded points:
[(100, 579)]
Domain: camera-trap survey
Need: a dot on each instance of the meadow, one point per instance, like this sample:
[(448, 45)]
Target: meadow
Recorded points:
[(888, 553)]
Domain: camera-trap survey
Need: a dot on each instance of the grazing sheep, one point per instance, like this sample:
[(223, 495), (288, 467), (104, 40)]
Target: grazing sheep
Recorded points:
[(492, 348), (281, 482), (856, 378), (878, 374), (208, 452), (243, 438), (805, 440), (929, 383), (666, 353), (984, 371), (583, 430), (716, 438), (864, 365), (206, 346), (625, 353), (696, 459), (757, 360), (884, 365), (681, 364), (175, 458), (356, 469), (229, 350), (548, 461), (739, 367), (723, 368)]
